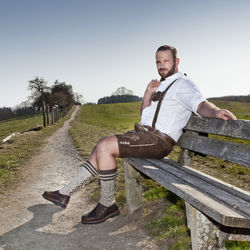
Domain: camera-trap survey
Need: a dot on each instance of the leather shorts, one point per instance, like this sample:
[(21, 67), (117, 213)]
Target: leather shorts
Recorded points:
[(144, 142)]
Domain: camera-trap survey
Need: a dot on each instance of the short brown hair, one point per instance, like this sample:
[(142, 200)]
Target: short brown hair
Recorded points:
[(168, 47)]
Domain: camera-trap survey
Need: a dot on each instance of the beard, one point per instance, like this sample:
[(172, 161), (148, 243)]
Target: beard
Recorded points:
[(169, 73)]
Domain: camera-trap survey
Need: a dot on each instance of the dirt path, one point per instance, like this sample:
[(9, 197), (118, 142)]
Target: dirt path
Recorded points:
[(27, 221)]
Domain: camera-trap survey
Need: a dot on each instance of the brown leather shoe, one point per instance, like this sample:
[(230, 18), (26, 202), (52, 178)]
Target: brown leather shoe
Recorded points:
[(57, 198), (100, 213)]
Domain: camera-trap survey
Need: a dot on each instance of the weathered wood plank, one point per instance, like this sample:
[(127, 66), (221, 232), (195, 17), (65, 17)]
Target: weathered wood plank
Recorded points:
[(216, 182), (237, 129), (185, 157), (219, 212), (208, 186), (206, 234), (230, 151), (133, 188)]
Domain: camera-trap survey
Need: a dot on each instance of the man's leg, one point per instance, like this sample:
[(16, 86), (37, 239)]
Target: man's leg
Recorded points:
[(104, 153), (101, 158), (62, 196), (104, 157)]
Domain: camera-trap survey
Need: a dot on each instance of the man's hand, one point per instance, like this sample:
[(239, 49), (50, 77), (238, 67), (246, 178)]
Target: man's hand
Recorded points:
[(225, 115), (209, 110), (150, 90), (152, 87)]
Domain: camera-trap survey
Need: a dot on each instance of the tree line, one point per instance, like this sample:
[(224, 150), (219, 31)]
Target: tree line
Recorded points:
[(44, 98), (7, 113), (122, 94)]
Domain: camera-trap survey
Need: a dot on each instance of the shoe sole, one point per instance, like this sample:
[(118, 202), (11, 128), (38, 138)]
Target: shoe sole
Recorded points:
[(112, 215), (54, 201)]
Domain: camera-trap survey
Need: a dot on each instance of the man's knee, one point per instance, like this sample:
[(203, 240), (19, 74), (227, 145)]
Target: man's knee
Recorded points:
[(107, 144), (101, 144)]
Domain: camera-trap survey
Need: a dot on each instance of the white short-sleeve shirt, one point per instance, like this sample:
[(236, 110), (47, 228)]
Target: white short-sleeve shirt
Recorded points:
[(182, 98)]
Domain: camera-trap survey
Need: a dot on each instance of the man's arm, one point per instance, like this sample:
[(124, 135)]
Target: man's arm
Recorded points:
[(209, 110), (150, 90)]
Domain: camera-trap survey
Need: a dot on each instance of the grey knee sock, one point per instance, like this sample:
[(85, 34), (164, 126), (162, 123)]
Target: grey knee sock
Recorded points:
[(107, 179), (83, 176)]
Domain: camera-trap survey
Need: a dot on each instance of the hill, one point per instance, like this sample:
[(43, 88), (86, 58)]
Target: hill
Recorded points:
[(232, 98)]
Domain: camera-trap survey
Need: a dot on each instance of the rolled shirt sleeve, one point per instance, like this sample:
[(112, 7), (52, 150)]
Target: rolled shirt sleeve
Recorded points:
[(189, 96)]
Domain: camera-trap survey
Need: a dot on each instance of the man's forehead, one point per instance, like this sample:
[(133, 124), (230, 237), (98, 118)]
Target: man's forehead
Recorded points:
[(163, 54)]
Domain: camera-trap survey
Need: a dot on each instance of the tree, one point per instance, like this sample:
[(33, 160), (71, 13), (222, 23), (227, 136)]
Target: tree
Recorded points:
[(122, 94), (6, 113), (62, 94), (78, 98), (40, 92), (123, 91)]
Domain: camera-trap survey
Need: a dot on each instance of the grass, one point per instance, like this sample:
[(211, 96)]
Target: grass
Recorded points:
[(18, 125), (113, 117), (15, 153), (240, 109), (96, 121)]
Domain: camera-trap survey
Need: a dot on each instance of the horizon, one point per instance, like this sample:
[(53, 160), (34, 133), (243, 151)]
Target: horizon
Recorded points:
[(100, 46), (16, 106)]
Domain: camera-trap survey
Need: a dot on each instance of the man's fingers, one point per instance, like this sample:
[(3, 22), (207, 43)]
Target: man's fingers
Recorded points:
[(226, 115), (155, 83), (230, 115)]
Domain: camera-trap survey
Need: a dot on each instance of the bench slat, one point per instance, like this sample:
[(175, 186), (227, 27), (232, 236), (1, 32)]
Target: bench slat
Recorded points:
[(233, 152), (219, 212), (216, 182), (237, 129), (207, 186)]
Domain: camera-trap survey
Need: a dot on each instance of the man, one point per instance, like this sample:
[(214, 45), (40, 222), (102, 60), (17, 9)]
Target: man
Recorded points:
[(163, 116)]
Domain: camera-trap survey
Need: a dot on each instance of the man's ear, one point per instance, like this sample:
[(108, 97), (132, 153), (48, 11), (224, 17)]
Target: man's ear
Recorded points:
[(177, 62)]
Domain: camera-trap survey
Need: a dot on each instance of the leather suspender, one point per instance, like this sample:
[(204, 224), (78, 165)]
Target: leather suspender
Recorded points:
[(159, 104)]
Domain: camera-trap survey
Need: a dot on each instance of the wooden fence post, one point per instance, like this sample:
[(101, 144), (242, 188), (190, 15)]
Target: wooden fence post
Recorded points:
[(47, 112), (44, 115), (57, 115), (52, 114), (55, 110)]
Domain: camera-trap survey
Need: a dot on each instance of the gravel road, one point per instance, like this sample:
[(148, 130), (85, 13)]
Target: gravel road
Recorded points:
[(27, 221)]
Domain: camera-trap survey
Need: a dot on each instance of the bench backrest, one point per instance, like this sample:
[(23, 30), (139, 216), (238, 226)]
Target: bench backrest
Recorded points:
[(195, 139)]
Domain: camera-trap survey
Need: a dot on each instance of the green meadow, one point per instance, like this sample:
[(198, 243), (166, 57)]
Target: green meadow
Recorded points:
[(167, 224), (163, 213)]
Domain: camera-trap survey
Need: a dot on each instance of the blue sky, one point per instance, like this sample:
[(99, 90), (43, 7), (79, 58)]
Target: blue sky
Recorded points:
[(98, 46)]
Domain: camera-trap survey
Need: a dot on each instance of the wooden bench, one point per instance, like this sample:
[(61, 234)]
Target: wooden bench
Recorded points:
[(216, 211)]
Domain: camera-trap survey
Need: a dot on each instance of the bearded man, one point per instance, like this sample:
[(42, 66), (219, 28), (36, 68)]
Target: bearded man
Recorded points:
[(166, 107)]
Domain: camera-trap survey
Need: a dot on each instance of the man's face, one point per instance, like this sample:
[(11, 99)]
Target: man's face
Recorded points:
[(165, 63)]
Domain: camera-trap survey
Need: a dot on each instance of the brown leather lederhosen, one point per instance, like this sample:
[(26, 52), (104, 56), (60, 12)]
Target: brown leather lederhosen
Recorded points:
[(146, 141)]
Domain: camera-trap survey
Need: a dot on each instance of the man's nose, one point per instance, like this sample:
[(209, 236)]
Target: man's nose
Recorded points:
[(160, 65)]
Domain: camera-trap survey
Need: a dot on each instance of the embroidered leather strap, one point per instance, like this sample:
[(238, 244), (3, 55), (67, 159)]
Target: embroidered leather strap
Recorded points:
[(159, 104)]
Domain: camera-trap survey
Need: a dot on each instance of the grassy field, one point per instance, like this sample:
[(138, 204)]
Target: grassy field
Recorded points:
[(15, 153), (163, 212), (168, 224)]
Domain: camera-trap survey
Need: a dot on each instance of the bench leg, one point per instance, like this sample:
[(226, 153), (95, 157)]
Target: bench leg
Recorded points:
[(185, 157), (133, 188), (207, 234), (204, 233)]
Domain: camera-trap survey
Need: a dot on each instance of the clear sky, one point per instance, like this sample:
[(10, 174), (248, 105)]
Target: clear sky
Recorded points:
[(98, 46)]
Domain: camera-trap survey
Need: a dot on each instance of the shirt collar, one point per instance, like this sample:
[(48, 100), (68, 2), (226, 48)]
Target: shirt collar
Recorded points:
[(164, 84)]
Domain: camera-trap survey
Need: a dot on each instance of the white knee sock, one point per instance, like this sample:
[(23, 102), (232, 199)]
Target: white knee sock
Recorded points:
[(83, 176), (107, 178)]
